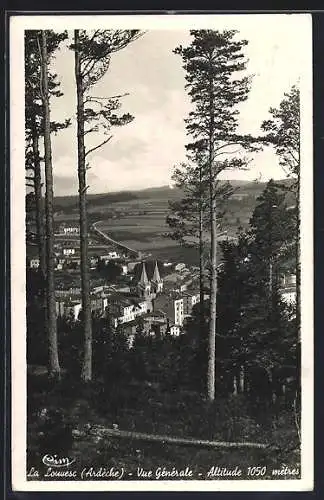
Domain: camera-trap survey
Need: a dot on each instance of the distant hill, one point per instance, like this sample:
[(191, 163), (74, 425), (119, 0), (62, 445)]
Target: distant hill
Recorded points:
[(70, 203), (95, 200)]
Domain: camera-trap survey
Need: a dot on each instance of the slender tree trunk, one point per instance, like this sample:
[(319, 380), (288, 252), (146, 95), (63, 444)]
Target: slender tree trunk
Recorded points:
[(242, 379), (54, 366), (270, 277), (201, 256), (201, 273), (86, 374), (213, 293), (213, 250), (38, 199), (213, 255), (298, 269)]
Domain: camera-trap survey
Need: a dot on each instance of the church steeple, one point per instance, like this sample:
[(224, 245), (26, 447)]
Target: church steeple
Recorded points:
[(156, 274), (144, 286), (143, 279), (156, 279)]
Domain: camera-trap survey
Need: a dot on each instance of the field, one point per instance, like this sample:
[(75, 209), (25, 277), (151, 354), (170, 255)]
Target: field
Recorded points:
[(138, 218), (141, 224)]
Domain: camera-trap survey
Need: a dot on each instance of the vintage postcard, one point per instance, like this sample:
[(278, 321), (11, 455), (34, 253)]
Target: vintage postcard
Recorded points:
[(161, 252)]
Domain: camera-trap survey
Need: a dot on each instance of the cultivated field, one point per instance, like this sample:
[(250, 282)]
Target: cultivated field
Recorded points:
[(138, 219)]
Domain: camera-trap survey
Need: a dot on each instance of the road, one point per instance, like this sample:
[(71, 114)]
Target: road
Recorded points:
[(108, 239)]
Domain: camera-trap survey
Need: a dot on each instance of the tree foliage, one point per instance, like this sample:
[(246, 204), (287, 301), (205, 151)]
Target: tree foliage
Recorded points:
[(213, 62), (283, 131), (92, 54)]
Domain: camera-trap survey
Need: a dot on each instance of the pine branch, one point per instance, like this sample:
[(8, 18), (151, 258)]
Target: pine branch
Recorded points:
[(99, 98), (98, 146)]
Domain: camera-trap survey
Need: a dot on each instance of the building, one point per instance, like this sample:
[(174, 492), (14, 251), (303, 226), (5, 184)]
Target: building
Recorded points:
[(180, 267), (155, 323), (68, 309), (67, 252), (93, 262), (156, 281), (172, 306), (109, 256), (175, 330), (288, 280), (288, 295), (69, 229), (190, 299), (68, 292), (125, 308), (98, 303), (145, 286), (34, 263), (288, 289)]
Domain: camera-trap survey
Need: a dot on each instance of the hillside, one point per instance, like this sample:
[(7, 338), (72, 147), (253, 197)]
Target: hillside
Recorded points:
[(70, 203), (138, 218)]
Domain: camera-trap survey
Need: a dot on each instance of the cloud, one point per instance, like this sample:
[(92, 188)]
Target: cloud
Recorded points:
[(64, 185), (144, 152)]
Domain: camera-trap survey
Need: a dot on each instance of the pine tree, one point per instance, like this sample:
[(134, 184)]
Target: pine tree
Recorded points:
[(54, 366), (212, 62), (272, 230), (34, 122), (265, 326), (92, 53), (283, 132), (189, 219)]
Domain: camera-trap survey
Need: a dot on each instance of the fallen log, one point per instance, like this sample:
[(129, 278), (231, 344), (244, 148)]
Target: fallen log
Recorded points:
[(140, 436)]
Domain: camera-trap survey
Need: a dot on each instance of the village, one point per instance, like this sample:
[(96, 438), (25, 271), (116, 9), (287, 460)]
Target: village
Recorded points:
[(128, 287), (159, 295)]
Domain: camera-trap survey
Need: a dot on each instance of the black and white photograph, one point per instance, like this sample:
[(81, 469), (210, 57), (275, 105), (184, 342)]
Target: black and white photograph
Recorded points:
[(161, 252)]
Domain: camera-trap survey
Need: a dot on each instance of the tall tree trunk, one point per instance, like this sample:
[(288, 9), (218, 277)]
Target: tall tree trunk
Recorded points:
[(86, 374), (298, 269), (270, 277), (201, 256), (213, 249), (38, 199), (54, 366), (213, 293)]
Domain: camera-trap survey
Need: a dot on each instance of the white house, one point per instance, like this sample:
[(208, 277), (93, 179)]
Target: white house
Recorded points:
[(34, 263), (126, 309), (71, 230), (288, 295), (124, 268), (110, 256), (68, 251), (175, 331)]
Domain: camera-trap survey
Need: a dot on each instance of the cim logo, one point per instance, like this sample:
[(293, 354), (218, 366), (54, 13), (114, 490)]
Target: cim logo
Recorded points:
[(56, 461)]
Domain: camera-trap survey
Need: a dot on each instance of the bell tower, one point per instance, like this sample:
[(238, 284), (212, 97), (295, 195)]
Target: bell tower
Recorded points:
[(157, 282), (144, 286)]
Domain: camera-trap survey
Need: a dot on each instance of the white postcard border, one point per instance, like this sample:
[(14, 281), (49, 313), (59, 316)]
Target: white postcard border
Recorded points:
[(18, 255)]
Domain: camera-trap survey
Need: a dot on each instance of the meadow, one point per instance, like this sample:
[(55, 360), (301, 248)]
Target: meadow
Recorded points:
[(138, 218)]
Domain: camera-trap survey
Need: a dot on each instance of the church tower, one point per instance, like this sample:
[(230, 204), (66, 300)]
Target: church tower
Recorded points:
[(143, 285), (157, 282)]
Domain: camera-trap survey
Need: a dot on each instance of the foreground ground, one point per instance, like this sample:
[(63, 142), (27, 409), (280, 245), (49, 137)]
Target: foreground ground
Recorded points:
[(70, 421)]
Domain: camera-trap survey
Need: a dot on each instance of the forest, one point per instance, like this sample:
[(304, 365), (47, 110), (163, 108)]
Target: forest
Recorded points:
[(232, 377)]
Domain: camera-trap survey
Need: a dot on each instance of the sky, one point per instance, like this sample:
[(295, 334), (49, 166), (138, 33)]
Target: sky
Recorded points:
[(143, 153)]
